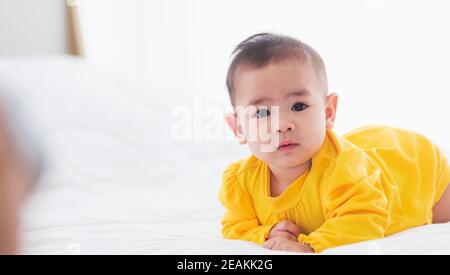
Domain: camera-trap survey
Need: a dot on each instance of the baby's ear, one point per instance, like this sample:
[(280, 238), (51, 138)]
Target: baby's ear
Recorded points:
[(233, 123), (331, 109)]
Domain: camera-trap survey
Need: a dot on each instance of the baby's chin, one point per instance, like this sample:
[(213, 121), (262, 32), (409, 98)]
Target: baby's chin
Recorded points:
[(283, 160), (287, 163)]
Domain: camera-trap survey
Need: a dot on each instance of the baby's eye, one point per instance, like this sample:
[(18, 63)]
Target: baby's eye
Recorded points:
[(262, 112), (299, 106)]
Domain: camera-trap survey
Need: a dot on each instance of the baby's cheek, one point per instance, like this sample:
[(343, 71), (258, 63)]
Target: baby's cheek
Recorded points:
[(257, 131), (314, 139), (260, 154)]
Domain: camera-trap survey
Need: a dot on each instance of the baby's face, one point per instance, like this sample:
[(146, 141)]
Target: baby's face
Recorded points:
[(290, 109)]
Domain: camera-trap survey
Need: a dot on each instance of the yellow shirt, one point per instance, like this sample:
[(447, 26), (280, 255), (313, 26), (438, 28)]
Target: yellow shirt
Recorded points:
[(372, 182)]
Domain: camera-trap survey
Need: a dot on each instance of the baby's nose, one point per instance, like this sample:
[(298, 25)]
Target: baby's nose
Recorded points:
[(285, 125)]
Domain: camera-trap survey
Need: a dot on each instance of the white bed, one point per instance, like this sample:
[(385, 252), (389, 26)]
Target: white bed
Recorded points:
[(116, 183)]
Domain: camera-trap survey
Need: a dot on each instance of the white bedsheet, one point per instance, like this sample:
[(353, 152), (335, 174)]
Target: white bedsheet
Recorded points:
[(149, 222), (116, 183)]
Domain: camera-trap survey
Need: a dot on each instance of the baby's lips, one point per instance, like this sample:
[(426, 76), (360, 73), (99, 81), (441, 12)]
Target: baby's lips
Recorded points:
[(286, 142), (287, 147)]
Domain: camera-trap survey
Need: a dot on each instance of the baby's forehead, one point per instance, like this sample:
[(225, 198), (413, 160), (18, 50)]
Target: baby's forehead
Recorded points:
[(259, 50), (277, 81)]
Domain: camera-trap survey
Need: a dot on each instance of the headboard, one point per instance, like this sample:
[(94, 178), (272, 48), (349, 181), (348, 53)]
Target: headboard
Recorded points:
[(76, 43), (39, 27)]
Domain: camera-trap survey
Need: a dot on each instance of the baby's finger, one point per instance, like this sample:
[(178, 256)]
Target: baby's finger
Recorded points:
[(284, 235), (269, 244), (289, 227)]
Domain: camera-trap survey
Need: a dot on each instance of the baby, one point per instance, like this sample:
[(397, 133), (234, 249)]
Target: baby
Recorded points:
[(306, 188)]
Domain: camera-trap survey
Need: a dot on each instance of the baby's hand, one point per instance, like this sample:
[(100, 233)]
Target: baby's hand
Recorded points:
[(286, 230), (280, 243)]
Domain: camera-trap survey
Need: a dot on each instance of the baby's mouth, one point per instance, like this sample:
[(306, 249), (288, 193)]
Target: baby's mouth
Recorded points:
[(287, 146)]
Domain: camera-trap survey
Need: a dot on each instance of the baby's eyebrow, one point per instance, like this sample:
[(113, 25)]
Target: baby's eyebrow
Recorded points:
[(258, 101), (302, 92), (299, 93)]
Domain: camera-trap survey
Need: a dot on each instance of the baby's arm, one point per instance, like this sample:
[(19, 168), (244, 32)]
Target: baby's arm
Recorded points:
[(242, 227), (355, 212), (279, 236), (240, 220)]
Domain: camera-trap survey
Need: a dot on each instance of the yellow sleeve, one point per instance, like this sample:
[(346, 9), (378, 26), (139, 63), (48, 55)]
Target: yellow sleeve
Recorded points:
[(240, 220), (355, 210)]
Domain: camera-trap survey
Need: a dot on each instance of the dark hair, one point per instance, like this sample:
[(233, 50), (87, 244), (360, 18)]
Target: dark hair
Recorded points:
[(261, 49)]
